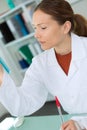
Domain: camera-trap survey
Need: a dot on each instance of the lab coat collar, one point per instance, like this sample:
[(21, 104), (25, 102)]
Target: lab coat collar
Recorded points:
[(78, 47), (78, 50)]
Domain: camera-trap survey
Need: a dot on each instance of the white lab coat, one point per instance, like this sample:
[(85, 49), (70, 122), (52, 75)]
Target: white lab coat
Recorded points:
[(45, 75)]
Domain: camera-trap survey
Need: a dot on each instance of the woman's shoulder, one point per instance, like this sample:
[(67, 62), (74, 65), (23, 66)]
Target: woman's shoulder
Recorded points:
[(44, 54), (43, 59), (79, 39), (84, 39)]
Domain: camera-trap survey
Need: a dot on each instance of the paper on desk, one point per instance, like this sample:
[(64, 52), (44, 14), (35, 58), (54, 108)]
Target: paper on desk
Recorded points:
[(7, 123)]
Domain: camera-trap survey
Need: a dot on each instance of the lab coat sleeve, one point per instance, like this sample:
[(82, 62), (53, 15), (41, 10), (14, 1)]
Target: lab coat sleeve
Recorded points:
[(28, 98), (81, 121)]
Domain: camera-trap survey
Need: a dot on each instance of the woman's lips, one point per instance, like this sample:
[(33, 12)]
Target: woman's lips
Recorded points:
[(41, 42)]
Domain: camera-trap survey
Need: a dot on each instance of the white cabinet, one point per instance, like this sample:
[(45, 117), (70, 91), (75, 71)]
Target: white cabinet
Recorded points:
[(16, 32)]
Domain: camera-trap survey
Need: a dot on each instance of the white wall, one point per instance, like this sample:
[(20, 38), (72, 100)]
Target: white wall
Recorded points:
[(3, 6), (80, 7)]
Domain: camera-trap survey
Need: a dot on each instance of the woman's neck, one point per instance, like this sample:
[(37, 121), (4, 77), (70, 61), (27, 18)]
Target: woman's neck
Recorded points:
[(65, 47)]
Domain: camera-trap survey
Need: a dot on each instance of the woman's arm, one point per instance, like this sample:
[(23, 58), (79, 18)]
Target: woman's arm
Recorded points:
[(27, 98)]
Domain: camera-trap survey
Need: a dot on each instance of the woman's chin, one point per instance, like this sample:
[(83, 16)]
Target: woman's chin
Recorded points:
[(45, 48)]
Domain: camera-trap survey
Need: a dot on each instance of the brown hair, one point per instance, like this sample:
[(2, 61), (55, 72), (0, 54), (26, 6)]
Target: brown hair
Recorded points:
[(80, 25), (62, 11)]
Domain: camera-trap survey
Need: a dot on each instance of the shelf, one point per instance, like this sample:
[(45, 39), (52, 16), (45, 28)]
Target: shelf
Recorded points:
[(23, 70), (15, 11), (30, 2), (10, 48), (11, 13), (23, 40)]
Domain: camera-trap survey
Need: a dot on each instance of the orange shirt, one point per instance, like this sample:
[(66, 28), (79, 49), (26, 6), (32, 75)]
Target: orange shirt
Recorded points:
[(64, 61)]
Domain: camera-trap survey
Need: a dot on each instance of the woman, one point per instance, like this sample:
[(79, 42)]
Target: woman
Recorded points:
[(61, 69)]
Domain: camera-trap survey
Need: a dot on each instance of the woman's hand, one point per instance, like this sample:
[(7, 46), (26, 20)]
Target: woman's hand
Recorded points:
[(70, 125), (1, 74)]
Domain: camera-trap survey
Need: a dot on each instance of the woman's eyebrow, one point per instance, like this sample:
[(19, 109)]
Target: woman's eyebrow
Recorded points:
[(38, 24)]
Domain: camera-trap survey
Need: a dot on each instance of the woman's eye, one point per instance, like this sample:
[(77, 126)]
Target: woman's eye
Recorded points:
[(43, 27)]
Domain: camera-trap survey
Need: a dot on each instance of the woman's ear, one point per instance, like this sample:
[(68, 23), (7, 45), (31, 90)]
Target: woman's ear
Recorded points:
[(67, 27)]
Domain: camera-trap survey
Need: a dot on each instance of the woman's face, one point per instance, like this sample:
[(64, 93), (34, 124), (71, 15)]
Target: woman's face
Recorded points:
[(47, 31)]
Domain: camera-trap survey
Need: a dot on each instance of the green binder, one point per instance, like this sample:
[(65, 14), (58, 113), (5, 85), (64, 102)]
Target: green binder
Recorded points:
[(26, 53)]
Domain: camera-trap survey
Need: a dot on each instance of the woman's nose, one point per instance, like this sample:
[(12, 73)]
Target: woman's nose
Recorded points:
[(37, 34)]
